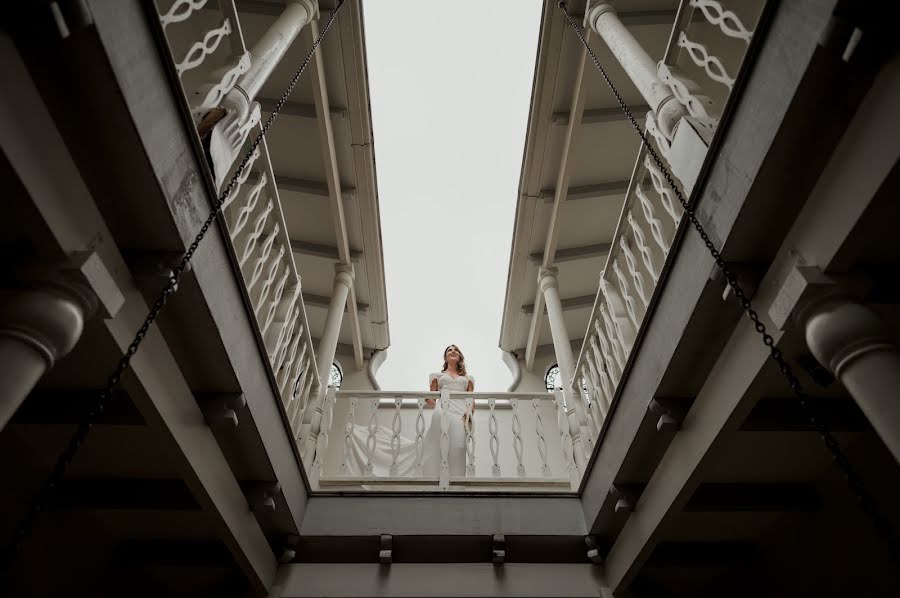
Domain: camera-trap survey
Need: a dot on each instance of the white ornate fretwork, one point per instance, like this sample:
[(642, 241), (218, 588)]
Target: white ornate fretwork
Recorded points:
[(656, 228), (726, 20), (264, 252), (252, 199), (444, 477), (348, 437), (258, 226), (371, 439), (517, 436), (539, 430), (396, 424), (701, 57), (203, 48), (494, 442), (665, 192), (180, 11), (470, 437), (420, 435), (217, 91), (274, 266), (661, 142), (644, 249), (686, 92)]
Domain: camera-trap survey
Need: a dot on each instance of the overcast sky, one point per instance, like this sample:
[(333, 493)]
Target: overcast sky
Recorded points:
[(450, 86)]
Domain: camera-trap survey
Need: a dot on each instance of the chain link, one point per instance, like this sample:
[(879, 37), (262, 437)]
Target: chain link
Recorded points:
[(854, 481), (39, 503)]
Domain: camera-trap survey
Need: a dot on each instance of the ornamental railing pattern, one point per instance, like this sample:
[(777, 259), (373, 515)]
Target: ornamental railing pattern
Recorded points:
[(514, 441), (208, 65), (706, 49)]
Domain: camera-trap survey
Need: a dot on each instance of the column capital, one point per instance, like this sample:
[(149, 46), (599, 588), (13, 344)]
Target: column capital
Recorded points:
[(597, 11), (344, 274), (547, 278), (312, 8)]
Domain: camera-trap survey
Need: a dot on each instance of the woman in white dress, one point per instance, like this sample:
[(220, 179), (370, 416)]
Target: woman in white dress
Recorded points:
[(452, 376)]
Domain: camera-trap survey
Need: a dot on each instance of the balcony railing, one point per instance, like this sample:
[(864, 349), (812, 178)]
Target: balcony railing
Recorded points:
[(380, 441), (710, 48), (209, 55)]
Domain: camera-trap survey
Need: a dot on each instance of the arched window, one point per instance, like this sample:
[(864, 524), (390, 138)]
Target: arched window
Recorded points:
[(337, 376), (551, 378)]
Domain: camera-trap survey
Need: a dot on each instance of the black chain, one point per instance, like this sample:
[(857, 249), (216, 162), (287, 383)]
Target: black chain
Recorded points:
[(882, 528), (59, 470)]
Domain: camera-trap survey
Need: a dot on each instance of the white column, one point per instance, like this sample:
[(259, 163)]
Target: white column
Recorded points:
[(549, 285), (343, 279), (854, 344), (37, 327), (638, 65), (271, 47)]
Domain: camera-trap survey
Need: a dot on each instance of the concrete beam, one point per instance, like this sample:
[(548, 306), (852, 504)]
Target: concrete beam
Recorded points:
[(567, 304), (573, 253), (323, 251), (512, 580), (299, 108), (601, 115), (311, 300)]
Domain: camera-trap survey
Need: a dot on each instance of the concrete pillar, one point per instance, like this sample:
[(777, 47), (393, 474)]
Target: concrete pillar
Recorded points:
[(549, 285), (271, 47), (37, 327), (854, 344), (343, 280), (638, 65)]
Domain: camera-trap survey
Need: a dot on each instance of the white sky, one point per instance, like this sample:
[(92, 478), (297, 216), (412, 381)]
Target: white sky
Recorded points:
[(450, 86)]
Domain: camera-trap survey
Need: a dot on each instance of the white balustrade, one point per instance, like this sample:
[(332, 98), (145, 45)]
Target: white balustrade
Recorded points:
[(208, 71), (493, 428), (539, 431), (470, 437), (517, 437), (371, 440), (420, 435), (348, 437), (396, 429)]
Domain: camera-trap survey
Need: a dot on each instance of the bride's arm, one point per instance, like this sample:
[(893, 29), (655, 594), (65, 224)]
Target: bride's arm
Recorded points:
[(430, 402)]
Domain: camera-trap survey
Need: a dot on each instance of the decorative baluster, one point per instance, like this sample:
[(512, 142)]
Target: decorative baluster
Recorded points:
[(601, 392), (702, 58), (180, 11), (470, 437), (626, 293), (598, 403), (565, 439), (650, 215), (688, 94), (348, 438), (214, 92), (264, 253), (372, 439), (444, 401), (494, 442), (254, 236), (282, 332), (252, 198), (322, 438), (618, 350), (303, 401), (274, 266), (539, 430), (396, 424), (282, 351), (608, 363), (636, 276), (726, 20), (661, 142), (297, 388), (298, 367), (646, 253), (241, 180), (517, 436), (666, 197), (203, 48), (621, 327), (284, 372), (420, 435), (276, 299)]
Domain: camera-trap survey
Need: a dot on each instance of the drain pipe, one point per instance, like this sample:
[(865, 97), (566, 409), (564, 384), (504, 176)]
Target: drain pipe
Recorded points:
[(512, 362), (378, 357)]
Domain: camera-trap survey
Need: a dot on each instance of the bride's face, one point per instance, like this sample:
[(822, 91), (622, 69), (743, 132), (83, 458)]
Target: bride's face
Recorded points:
[(452, 354)]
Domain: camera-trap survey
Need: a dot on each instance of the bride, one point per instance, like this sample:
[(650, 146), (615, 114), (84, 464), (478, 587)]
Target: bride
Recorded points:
[(452, 376)]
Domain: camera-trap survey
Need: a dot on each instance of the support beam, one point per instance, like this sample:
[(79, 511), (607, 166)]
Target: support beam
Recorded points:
[(173, 553), (323, 251), (311, 300), (562, 188), (329, 158), (68, 407), (754, 497), (776, 414), (567, 304), (600, 115), (304, 186), (614, 189), (154, 494), (299, 109), (424, 579), (571, 254)]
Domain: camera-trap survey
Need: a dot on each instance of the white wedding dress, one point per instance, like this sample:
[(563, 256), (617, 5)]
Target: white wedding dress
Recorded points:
[(383, 455)]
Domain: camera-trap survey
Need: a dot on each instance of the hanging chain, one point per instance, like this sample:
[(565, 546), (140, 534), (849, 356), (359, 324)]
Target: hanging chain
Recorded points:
[(882, 528), (40, 501)]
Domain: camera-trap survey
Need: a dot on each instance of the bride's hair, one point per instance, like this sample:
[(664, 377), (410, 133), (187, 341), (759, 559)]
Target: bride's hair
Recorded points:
[(461, 364)]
